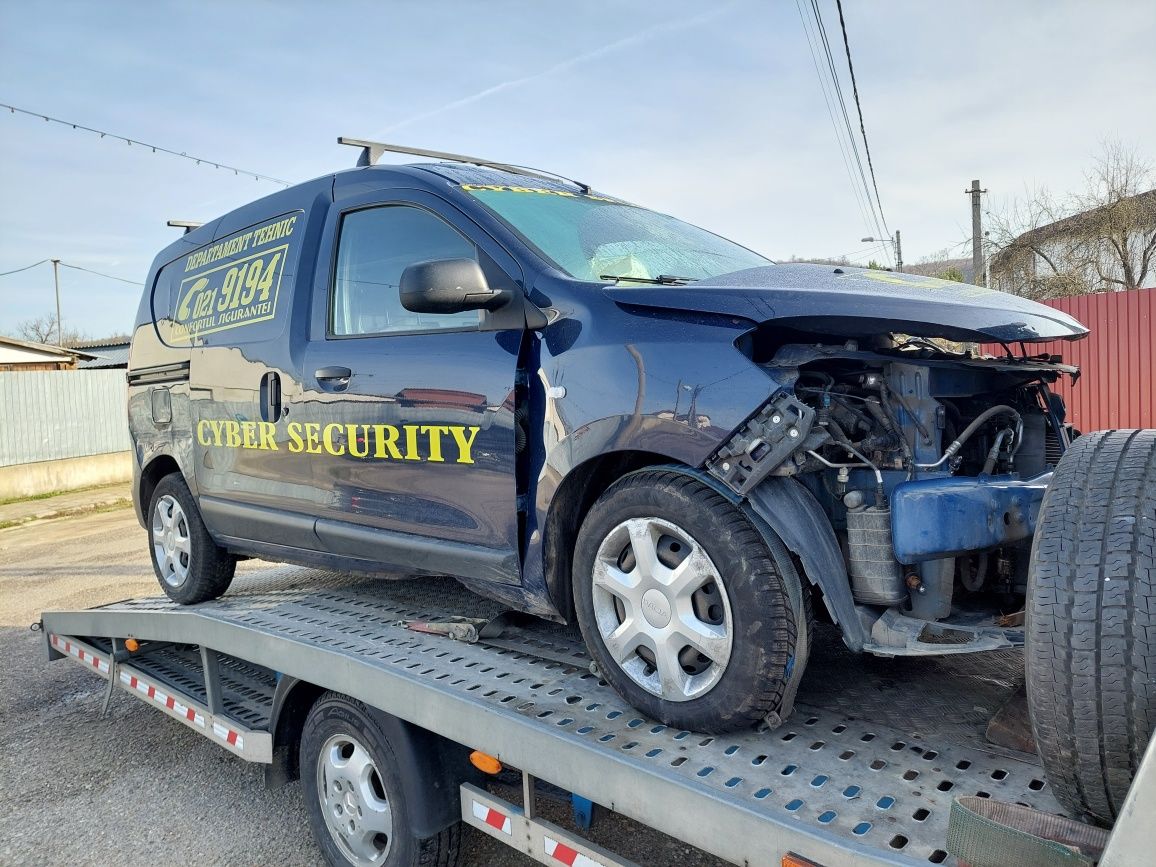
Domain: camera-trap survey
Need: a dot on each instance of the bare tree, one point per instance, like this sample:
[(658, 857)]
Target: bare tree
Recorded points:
[(1121, 201), (1101, 239), (42, 329)]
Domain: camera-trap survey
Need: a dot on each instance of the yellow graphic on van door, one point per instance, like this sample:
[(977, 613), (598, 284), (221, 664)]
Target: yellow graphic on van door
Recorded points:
[(240, 291), (433, 443)]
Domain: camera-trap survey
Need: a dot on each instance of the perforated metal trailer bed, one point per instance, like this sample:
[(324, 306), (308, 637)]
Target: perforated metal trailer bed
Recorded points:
[(863, 773)]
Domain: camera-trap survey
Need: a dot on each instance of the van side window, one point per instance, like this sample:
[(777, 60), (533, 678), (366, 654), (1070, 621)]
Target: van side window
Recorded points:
[(375, 245)]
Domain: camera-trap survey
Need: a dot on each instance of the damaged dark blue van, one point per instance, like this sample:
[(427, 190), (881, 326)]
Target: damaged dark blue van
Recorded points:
[(591, 411)]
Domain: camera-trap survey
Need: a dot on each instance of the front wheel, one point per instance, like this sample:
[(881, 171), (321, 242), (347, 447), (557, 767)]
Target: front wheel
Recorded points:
[(354, 794), (189, 565), (681, 604)]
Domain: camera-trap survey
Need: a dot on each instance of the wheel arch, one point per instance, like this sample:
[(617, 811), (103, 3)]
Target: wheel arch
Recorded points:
[(572, 499), (150, 476), (784, 513)]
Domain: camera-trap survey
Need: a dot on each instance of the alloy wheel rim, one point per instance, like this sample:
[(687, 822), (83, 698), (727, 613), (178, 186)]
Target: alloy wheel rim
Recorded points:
[(661, 609), (353, 801), (172, 547)]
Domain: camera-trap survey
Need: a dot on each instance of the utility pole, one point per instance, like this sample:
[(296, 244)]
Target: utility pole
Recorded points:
[(976, 234), (56, 280), (898, 252)]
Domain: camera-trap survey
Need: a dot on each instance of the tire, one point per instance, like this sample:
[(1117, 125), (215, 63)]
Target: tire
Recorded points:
[(189, 565), (744, 600), (341, 730), (1091, 620)]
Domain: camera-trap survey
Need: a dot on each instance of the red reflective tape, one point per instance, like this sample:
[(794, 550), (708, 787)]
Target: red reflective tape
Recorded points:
[(495, 819), (169, 702), (190, 714), (95, 662), (152, 691), (132, 681), (565, 854), (232, 739)]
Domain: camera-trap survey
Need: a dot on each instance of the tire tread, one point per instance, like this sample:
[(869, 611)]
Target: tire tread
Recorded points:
[(1091, 655)]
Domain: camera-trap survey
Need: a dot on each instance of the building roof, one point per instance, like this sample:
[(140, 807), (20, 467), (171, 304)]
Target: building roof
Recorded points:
[(1144, 203), (44, 350), (105, 353)]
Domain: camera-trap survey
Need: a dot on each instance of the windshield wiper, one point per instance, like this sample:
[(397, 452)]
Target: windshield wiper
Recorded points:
[(660, 280)]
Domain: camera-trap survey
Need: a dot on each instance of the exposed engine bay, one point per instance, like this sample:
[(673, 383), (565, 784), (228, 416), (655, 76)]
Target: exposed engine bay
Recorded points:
[(930, 462)]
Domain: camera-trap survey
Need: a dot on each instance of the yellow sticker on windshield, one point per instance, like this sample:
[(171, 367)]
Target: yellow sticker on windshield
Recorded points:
[(542, 191)]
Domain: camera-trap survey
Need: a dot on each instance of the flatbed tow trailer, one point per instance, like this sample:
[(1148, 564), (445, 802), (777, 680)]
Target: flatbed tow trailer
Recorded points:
[(863, 772)]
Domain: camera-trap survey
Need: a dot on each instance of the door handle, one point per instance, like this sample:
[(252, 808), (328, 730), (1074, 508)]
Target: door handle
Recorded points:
[(270, 397), (328, 374)]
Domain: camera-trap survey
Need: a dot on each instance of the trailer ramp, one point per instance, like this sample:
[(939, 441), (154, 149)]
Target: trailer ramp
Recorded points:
[(863, 772)]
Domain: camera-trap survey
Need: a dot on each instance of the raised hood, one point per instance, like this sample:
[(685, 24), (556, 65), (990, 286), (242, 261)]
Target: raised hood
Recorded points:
[(858, 302)]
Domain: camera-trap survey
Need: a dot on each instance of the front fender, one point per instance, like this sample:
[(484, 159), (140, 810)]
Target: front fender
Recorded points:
[(797, 518)]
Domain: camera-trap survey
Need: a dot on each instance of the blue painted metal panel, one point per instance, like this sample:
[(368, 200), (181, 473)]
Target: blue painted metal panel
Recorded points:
[(946, 517)]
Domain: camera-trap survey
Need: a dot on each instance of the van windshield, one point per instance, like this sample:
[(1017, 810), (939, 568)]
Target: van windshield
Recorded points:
[(590, 237)]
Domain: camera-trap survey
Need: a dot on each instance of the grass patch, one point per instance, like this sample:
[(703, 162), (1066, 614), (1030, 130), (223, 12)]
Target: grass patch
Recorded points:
[(70, 513), (51, 494)]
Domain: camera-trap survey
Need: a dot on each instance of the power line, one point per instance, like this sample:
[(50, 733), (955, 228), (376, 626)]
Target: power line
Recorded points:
[(155, 148), (25, 268), (876, 214), (99, 274), (859, 109), (823, 89), (848, 148), (74, 268)]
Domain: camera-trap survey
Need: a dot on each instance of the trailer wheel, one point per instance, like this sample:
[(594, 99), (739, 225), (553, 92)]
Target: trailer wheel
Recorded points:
[(680, 604), (354, 795), (190, 566), (1091, 620)]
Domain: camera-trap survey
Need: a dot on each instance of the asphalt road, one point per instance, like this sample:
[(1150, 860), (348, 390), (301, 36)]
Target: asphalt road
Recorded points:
[(136, 787)]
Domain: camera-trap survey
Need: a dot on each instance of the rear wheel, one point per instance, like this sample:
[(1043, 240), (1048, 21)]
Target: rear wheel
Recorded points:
[(1091, 620), (354, 795), (189, 565), (681, 605)]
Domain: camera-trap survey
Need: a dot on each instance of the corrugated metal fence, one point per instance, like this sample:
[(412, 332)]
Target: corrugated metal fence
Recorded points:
[(49, 415), (1117, 385)]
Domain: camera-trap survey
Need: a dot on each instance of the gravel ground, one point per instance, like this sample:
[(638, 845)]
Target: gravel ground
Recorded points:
[(136, 787)]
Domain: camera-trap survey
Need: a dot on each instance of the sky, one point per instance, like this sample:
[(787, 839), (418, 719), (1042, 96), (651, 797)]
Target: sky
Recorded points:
[(712, 112)]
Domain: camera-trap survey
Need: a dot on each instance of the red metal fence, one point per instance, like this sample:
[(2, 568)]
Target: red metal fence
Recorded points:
[(1117, 384)]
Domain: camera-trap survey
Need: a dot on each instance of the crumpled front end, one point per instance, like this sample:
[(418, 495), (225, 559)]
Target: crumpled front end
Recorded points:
[(906, 475)]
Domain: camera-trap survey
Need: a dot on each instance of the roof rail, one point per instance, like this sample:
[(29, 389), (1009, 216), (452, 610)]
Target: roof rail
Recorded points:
[(187, 225), (372, 151)]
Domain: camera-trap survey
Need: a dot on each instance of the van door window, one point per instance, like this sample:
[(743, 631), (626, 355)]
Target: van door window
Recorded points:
[(375, 245)]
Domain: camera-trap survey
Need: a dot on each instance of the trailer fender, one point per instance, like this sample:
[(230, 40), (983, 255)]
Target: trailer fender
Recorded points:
[(432, 767)]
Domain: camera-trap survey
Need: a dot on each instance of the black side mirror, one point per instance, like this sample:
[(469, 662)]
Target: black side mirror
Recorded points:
[(448, 286)]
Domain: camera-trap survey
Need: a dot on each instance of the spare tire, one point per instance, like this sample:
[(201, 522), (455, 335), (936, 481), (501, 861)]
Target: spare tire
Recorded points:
[(1091, 620)]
